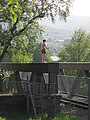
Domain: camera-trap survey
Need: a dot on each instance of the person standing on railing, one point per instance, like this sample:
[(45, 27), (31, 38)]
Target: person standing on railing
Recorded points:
[(43, 50)]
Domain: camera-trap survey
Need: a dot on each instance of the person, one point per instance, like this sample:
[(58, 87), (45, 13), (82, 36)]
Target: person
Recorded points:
[(43, 50)]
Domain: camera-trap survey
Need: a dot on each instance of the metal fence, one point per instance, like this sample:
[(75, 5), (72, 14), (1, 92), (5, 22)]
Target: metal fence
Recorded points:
[(49, 89), (74, 92)]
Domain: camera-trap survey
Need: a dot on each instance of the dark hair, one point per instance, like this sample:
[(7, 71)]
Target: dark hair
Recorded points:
[(44, 40)]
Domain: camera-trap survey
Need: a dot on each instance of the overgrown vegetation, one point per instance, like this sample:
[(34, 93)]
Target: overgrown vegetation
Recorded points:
[(25, 117), (78, 50), (16, 16)]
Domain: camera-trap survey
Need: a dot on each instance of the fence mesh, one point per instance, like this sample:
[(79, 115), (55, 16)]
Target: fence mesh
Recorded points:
[(46, 99)]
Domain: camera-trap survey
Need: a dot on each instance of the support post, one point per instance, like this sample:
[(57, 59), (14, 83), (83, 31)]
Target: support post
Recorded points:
[(53, 88), (88, 79), (27, 97), (53, 78)]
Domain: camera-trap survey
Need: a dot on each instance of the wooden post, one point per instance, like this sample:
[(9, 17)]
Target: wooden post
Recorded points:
[(53, 88), (88, 79), (27, 96), (42, 92), (53, 78)]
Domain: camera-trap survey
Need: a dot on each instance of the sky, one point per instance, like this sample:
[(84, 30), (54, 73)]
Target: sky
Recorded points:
[(81, 8)]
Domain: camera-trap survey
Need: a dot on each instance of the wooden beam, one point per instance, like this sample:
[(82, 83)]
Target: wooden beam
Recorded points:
[(75, 65), (30, 67)]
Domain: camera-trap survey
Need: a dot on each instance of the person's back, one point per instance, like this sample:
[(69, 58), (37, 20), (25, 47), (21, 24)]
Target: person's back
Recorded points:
[(43, 50), (43, 47)]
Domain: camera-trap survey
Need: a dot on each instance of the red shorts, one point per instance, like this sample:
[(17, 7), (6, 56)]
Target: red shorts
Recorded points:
[(43, 51)]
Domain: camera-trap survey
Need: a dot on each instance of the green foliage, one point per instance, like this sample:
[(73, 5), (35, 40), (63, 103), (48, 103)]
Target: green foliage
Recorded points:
[(19, 14), (18, 9), (24, 117), (21, 47), (66, 117), (21, 57), (78, 50), (24, 45)]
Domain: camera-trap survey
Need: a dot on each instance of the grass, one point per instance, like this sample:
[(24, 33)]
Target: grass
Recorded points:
[(25, 117), (66, 117)]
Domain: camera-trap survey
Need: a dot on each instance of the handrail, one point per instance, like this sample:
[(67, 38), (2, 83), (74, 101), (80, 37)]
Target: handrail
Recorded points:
[(75, 65), (34, 67), (31, 67)]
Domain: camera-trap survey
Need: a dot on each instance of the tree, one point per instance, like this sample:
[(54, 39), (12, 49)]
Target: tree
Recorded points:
[(79, 48), (21, 47), (19, 14)]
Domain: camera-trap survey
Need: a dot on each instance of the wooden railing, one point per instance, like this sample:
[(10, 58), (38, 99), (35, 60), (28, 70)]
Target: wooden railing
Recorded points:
[(53, 69)]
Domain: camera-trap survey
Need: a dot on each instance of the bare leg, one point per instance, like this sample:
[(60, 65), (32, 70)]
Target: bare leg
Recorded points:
[(43, 57)]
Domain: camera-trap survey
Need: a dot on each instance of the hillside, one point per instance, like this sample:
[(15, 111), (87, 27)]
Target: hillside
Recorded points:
[(73, 23), (60, 32)]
